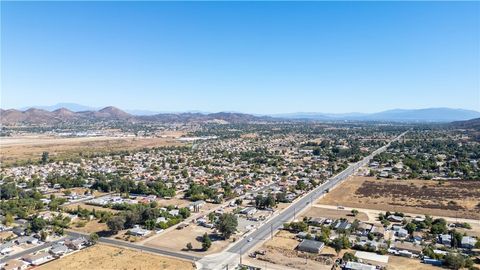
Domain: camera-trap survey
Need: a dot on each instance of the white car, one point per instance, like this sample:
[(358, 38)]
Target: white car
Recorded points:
[(250, 239)]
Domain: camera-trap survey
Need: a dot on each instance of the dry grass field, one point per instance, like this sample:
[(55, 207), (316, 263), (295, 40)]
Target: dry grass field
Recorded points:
[(23, 148), (191, 234), (92, 226), (401, 263), (449, 198), (333, 214), (108, 257)]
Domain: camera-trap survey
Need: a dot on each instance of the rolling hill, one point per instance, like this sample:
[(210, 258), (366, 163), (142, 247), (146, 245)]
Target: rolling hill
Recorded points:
[(38, 116), (34, 116), (397, 115)]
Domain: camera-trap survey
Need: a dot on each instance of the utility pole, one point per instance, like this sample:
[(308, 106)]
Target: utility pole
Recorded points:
[(240, 257)]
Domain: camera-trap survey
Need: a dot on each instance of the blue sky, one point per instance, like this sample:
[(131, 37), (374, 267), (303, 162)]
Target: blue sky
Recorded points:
[(255, 57)]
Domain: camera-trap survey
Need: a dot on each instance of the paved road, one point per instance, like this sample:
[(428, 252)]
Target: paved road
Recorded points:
[(264, 231), (120, 243), (242, 246), (29, 251)]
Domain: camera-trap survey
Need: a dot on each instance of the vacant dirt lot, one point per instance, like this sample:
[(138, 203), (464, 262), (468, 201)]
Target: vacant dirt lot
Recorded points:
[(333, 214), (14, 149), (108, 257), (191, 234), (92, 226), (401, 263), (283, 239), (448, 198), (281, 251)]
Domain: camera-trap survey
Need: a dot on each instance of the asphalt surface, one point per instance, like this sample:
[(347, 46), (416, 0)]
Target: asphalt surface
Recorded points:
[(121, 243), (267, 229), (29, 251)]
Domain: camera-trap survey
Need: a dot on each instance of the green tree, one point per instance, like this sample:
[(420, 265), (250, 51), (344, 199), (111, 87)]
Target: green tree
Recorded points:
[(439, 226), (93, 237), (189, 246), (43, 235), (349, 257), (227, 224), (354, 212), (211, 217), (8, 219), (411, 227), (184, 212), (116, 223), (337, 244), (38, 224), (45, 157), (454, 261), (206, 242)]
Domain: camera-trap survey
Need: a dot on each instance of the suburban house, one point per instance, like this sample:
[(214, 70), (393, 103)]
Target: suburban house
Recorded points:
[(6, 248), (394, 218), (468, 242), (26, 239), (138, 231), (371, 258), (76, 244), (378, 230), (310, 246), (401, 233), (38, 258), (58, 249), (248, 211), (358, 266), (446, 239), (195, 206), (161, 219)]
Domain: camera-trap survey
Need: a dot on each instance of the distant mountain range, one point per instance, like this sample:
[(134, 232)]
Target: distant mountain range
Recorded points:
[(468, 124), (397, 115), (37, 116), (74, 107), (75, 113)]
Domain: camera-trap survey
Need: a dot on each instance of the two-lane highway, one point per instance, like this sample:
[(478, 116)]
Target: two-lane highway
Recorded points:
[(277, 222)]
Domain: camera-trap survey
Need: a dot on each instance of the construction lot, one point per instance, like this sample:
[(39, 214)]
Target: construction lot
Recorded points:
[(453, 198), (108, 257)]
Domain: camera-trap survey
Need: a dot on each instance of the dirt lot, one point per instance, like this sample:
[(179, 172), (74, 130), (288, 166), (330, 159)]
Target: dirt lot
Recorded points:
[(281, 251), (92, 226), (108, 257), (401, 263), (173, 201), (333, 214), (191, 234), (450, 198), (31, 147)]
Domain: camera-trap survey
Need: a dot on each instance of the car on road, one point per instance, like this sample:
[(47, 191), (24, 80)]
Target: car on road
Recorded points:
[(250, 239)]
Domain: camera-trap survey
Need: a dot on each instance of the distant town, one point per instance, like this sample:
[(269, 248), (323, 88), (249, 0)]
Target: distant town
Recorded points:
[(238, 191)]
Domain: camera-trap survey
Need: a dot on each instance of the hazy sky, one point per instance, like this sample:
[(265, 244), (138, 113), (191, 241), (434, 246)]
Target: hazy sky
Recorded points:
[(257, 57)]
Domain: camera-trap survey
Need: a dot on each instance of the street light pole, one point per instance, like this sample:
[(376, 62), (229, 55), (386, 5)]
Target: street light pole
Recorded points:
[(240, 256)]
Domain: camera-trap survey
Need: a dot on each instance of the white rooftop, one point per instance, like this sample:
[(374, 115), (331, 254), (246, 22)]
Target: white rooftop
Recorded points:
[(371, 257)]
